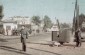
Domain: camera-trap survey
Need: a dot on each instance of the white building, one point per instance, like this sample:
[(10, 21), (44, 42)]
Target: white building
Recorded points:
[(21, 20), (14, 22), (9, 26)]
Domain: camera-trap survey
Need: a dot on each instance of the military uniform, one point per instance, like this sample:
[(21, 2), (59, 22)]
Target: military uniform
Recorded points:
[(24, 36)]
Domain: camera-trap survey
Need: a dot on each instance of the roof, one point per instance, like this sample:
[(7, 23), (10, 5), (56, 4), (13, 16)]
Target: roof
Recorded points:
[(8, 21), (16, 19)]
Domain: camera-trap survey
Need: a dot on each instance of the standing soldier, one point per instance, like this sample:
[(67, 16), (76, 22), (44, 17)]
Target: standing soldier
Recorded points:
[(78, 37), (24, 36)]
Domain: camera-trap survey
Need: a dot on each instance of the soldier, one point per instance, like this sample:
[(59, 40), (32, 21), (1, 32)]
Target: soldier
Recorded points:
[(24, 36), (78, 37)]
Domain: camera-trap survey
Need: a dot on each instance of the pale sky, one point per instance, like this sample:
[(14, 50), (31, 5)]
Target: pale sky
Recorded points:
[(61, 9)]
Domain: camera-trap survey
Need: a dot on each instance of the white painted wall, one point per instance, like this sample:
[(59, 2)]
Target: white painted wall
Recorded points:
[(12, 25)]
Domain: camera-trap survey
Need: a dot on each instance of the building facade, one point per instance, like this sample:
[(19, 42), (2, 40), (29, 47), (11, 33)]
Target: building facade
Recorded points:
[(11, 23), (9, 26)]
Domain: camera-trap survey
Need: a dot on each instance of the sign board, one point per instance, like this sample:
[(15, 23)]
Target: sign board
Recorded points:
[(54, 28)]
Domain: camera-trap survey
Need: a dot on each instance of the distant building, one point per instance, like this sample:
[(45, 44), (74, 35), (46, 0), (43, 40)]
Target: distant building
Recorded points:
[(8, 26), (22, 21), (15, 23)]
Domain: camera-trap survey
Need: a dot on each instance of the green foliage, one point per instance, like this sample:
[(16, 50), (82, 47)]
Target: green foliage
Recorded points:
[(36, 20), (47, 22), (1, 10), (81, 19), (64, 25)]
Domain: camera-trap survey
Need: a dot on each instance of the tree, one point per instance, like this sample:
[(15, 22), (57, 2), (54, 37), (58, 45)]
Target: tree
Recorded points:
[(47, 22), (64, 25), (81, 19), (36, 20), (1, 12)]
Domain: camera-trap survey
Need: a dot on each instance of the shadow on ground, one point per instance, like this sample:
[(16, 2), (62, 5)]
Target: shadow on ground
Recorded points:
[(70, 45), (67, 44), (38, 43), (3, 40), (6, 48), (44, 51)]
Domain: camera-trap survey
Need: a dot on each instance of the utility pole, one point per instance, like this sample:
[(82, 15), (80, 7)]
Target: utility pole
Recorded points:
[(57, 22), (76, 16)]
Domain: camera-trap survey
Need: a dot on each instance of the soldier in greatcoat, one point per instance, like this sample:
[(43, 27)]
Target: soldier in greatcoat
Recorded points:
[(78, 37), (24, 36)]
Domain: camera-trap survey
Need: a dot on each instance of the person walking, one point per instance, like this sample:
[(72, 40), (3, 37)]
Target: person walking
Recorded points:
[(78, 37), (24, 36)]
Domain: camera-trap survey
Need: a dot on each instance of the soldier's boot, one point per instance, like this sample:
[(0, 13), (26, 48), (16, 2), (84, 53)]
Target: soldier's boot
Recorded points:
[(24, 48), (76, 44)]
